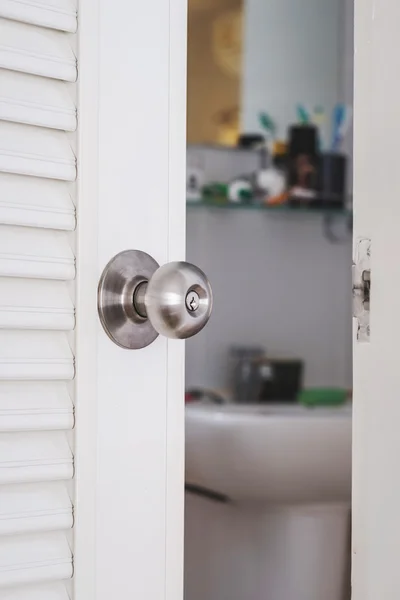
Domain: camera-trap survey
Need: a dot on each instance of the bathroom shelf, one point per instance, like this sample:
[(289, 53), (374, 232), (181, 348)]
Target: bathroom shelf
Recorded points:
[(285, 208)]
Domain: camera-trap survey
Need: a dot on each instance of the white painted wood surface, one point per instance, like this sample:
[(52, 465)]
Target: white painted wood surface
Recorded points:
[(37, 51), (131, 513), (36, 558), (28, 457), (27, 99), (35, 508), (52, 591), (376, 440), (35, 355), (55, 14), (127, 453), (36, 151), (35, 253), (35, 406), (37, 312), (36, 202), (34, 304)]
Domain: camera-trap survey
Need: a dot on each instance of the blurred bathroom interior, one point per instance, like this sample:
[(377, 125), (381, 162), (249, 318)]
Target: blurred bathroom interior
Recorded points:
[(269, 219)]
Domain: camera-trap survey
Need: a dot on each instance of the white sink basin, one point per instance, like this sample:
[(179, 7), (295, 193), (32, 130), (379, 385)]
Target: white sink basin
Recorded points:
[(275, 453)]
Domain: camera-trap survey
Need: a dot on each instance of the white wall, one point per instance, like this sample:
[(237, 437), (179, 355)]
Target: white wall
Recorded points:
[(292, 54), (277, 282), (347, 77)]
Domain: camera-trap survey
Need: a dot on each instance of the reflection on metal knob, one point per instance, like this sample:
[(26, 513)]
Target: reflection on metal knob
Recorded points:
[(177, 300), (137, 299)]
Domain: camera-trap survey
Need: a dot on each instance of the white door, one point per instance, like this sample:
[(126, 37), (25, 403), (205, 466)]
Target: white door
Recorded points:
[(92, 163), (92, 131)]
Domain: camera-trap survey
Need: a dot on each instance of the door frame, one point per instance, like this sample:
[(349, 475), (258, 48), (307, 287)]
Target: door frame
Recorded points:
[(376, 409)]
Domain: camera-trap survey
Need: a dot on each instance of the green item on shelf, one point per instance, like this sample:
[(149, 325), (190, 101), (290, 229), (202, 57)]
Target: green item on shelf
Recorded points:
[(245, 195), (215, 192), (323, 397)]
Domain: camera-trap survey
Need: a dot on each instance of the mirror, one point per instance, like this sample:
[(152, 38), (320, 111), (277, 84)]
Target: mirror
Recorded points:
[(279, 57)]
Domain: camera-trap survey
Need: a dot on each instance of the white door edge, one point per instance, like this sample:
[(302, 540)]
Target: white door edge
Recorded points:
[(176, 350), (86, 569)]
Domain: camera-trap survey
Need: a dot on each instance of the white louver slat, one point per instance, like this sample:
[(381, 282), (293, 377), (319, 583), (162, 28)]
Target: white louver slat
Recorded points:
[(56, 14), (35, 355), (27, 150), (37, 316), (35, 304), (35, 203), (29, 457), (44, 592), (41, 253), (37, 51), (29, 406), (34, 508), (24, 99), (34, 559)]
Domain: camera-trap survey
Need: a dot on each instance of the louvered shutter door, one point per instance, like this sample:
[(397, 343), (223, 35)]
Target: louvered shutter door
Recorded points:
[(38, 71)]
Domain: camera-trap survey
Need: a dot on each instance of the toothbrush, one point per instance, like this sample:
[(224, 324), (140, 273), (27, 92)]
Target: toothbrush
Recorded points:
[(338, 117), (267, 123), (319, 116), (318, 120), (346, 122), (302, 114)]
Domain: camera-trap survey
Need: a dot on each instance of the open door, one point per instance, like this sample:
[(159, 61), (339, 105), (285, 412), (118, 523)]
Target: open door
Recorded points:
[(92, 163)]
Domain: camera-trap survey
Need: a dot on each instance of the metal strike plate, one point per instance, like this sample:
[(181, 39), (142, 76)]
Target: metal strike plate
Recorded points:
[(362, 288)]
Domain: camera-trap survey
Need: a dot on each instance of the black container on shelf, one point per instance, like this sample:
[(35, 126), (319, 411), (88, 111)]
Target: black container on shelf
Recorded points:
[(303, 139), (315, 179), (249, 141), (303, 161), (332, 179)]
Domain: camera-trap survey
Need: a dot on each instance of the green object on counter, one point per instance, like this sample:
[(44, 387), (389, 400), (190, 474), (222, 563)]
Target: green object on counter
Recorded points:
[(323, 397)]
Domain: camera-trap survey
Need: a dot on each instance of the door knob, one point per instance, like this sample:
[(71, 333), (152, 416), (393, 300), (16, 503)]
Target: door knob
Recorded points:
[(138, 299)]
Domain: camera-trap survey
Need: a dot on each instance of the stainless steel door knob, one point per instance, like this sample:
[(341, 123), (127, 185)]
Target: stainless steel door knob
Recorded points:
[(138, 299)]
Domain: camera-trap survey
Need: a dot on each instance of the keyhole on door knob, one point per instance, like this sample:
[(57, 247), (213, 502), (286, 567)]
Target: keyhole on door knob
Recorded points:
[(192, 301)]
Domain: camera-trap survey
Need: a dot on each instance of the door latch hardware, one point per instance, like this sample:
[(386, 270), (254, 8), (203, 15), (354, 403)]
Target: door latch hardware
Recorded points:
[(362, 288), (138, 299)]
